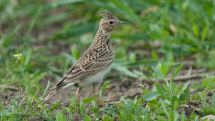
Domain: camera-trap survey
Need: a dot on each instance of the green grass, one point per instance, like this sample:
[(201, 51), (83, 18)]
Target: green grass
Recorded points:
[(39, 40)]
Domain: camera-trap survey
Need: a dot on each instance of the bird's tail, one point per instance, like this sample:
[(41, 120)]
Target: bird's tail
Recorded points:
[(56, 89), (50, 95)]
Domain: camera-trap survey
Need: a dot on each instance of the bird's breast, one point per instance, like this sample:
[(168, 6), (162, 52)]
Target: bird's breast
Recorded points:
[(97, 77)]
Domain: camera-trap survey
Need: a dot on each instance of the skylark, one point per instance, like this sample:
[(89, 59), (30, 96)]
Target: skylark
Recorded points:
[(95, 62)]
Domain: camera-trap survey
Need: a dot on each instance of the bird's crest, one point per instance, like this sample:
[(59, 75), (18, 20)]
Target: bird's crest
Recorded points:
[(107, 14)]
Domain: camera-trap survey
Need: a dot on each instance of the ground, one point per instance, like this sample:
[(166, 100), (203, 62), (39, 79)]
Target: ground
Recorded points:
[(163, 69)]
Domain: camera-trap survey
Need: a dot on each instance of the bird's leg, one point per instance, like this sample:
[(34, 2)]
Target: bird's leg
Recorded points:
[(77, 94), (94, 87), (100, 84)]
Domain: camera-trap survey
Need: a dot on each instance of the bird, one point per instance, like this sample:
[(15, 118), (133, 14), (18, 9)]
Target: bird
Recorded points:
[(95, 62)]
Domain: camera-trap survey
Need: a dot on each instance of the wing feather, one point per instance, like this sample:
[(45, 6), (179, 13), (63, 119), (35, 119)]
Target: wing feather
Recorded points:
[(89, 64)]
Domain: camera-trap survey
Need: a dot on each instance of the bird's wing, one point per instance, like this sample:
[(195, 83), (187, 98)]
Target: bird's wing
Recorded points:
[(92, 61)]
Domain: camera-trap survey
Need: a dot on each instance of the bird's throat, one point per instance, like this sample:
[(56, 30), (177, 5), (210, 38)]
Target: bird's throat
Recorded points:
[(101, 37)]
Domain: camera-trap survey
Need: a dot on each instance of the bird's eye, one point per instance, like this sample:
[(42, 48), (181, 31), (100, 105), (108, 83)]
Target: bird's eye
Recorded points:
[(110, 22)]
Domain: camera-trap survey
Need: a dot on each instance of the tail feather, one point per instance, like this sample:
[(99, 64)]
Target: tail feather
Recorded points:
[(52, 94), (58, 88)]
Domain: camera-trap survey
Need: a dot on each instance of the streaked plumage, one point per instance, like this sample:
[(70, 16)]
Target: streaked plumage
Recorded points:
[(95, 62)]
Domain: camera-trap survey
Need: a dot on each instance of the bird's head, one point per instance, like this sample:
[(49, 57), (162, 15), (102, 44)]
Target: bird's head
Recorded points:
[(108, 21)]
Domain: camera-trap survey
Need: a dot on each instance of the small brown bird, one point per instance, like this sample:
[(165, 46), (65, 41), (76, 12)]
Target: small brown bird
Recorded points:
[(95, 62)]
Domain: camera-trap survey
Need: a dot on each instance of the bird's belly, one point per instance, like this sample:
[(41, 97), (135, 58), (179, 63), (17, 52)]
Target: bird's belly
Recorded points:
[(97, 77)]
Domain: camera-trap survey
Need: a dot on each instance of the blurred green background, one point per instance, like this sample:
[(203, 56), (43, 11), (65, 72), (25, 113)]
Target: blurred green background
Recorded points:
[(40, 39)]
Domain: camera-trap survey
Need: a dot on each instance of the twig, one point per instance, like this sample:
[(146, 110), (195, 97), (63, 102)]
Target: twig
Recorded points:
[(186, 63), (180, 78), (191, 71), (113, 102), (8, 87)]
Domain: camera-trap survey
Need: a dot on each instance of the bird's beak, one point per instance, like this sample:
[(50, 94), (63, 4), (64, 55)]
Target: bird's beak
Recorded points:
[(121, 22)]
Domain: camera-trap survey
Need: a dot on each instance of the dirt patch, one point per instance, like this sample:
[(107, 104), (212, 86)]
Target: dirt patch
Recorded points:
[(6, 97), (114, 91)]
